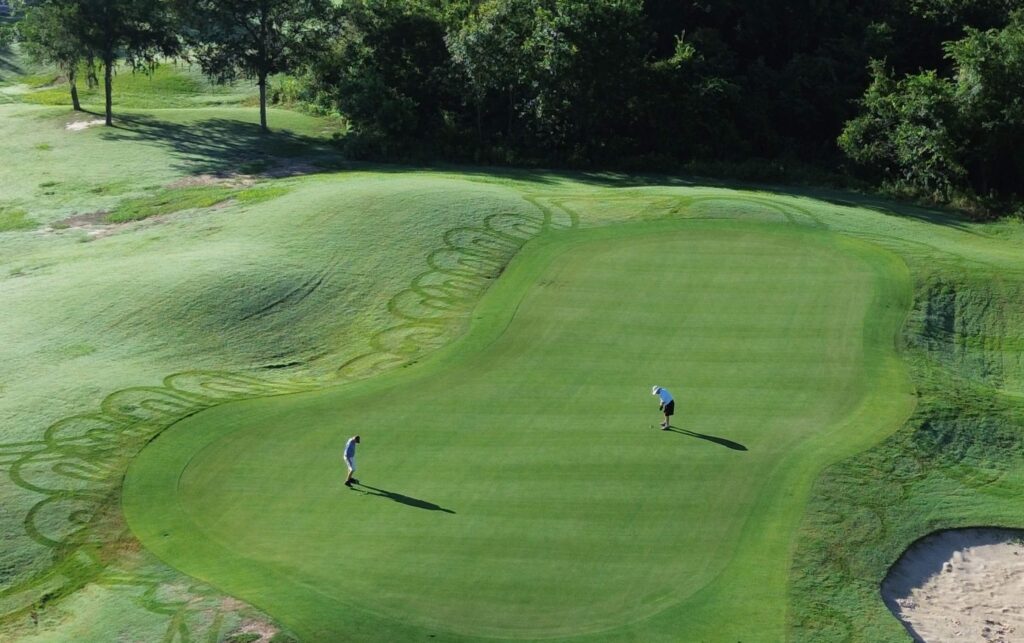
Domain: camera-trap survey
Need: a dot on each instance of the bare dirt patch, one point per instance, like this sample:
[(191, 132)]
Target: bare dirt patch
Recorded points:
[(962, 584), (87, 219), (92, 223), (227, 180), (265, 630)]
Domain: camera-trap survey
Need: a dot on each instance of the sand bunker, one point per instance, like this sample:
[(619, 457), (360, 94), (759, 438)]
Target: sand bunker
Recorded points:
[(77, 126), (962, 584)]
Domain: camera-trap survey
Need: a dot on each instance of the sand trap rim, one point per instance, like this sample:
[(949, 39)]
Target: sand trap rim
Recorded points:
[(939, 562)]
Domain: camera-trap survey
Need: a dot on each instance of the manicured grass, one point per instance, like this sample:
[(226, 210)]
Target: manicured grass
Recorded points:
[(521, 472), (358, 272)]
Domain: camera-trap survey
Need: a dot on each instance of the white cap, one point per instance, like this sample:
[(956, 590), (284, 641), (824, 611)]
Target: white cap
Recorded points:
[(654, 390)]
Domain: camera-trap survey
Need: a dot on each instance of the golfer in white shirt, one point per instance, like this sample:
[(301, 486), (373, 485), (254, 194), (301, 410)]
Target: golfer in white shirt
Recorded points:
[(667, 405), (350, 459)]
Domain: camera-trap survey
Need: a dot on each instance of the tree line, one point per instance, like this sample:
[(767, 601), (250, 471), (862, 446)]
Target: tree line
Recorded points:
[(925, 96)]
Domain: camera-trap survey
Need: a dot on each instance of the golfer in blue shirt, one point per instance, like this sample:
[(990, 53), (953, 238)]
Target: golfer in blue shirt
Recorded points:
[(350, 459), (667, 405)]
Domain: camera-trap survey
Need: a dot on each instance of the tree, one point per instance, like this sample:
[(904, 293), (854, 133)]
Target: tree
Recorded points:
[(135, 31), (252, 38), (50, 33), (569, 68), (692, 100), (487, 47), (388, 70), (940, 135), (909, 132), (989, 77)]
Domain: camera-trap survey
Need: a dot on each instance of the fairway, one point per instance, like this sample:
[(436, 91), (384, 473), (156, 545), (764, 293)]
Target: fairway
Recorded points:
[(515, 484)]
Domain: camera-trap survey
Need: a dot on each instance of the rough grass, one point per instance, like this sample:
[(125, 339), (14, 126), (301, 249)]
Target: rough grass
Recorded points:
[(13, 219), (167, 202), (957, 463), (173, 200), (299, 286)]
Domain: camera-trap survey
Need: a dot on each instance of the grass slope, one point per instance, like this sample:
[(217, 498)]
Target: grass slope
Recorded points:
[(167, 85), (88, 320), (515, 486), (62, 172)]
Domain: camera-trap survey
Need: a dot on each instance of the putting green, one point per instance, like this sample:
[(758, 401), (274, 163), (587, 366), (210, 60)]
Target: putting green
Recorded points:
[(516, 485)]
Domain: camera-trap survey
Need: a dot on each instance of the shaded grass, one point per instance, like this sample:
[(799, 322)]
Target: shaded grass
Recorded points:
[(14, 66), (63, 173)]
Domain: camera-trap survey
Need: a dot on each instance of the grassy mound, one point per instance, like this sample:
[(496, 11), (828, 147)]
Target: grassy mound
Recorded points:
[(109, 340), (520, 470)]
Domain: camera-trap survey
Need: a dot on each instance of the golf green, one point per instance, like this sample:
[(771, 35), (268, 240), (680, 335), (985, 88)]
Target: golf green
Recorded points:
[(515, 484)]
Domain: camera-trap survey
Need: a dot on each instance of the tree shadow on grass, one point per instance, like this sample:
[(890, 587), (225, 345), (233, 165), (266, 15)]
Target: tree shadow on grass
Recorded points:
[(9, 62), (403, 499), (729, 444), (221, 145)]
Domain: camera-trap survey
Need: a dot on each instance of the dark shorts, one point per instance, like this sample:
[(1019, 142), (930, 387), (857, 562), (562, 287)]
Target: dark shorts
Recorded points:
[(670, 408)]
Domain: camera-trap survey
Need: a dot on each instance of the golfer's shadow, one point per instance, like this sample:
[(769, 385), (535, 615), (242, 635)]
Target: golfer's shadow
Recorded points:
[(405, 500), (729, 444)]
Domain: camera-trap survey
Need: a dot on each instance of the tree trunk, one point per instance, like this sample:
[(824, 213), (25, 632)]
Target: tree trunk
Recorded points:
[(108, 83), (263, 103), (480, 122), (511, 112), (73, 80)]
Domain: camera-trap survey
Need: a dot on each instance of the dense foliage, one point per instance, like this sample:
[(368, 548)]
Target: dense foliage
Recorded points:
[(954, 133), (920, 94), (923, 95), (51, 34), (251, 38), (68, 32)]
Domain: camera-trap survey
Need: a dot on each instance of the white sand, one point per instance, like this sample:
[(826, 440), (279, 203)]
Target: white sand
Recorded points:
[(78, 126), (960, 585)]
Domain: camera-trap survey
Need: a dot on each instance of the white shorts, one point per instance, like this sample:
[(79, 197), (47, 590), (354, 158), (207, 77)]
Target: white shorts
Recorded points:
[(351, 462)]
